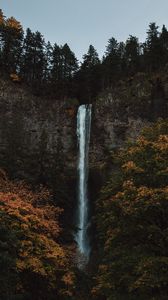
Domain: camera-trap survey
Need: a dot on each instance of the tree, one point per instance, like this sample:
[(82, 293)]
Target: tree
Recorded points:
[(164, 43), (89, 75), (132, 220), (70, 64), (90, 59), (33, 61), (64, 67), (132, 53), (11, 44), (152, 48), (34, 265), (48, 61), (112, 61), (56, 71), (2, 24)]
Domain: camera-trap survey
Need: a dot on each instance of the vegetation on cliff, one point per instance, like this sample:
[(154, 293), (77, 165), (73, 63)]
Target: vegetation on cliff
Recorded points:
[(132, 221)]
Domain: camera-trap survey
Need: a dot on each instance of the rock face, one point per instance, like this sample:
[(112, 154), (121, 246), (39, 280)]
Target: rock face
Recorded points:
[(38, 135), (121, 113)]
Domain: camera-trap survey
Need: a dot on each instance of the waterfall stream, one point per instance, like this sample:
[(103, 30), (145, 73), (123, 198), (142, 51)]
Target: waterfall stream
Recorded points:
[(83, 133)]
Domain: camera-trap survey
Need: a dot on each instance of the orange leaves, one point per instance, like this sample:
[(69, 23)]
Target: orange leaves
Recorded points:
[(68, 278), (37, 218), (162, 143), (15, 78), (128, 185), (131, 166), (13, 23), (34, 220), (142, 141), (1, 17)]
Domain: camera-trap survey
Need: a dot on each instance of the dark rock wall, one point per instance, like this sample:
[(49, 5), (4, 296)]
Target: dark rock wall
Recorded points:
[(38, 135), (120, 113)]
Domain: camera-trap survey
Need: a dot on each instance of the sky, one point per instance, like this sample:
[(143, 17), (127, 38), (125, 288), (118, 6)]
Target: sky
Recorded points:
[(83, 22)]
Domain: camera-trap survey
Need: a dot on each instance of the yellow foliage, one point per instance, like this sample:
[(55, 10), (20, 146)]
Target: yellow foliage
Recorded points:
[(1, 20), (36, 219), (68, 278), (13, 23), (71, 111), (131, 166), (15, 78)]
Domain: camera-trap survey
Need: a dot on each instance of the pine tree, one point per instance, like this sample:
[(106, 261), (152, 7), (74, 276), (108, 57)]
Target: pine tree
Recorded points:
[(112, 62), (48, 61), (2, 24), (164, 43), (34, 61), (90, 59), (132, 53), (56, 69), (64, 67), (112, 47), (11, 44), (152, 48), (89, 76), (69, 63)]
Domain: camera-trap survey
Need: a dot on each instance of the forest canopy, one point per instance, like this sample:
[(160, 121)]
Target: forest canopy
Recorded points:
[(56, 69)]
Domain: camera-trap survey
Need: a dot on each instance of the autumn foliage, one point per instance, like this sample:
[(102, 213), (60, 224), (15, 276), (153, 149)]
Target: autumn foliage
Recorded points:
[(132, 221), (34, 265)]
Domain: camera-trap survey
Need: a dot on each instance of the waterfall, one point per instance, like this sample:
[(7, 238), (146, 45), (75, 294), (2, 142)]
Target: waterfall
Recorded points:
[(83, 134)]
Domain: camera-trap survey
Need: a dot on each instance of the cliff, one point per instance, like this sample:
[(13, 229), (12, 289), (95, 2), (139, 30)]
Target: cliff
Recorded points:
[(120, 113), (38, 135)]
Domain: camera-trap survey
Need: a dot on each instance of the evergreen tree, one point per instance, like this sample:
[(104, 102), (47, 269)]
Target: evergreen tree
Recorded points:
[(56, 71), (39, 57), (33, 63), (69, 64), (132, 52), (70, 67), (48, 61), (2, 24), (90, 59), (64, 67), (11, 44), (88, 77), (112, 47), (152, 48), (26, 69), (112, 62), (164, 43)]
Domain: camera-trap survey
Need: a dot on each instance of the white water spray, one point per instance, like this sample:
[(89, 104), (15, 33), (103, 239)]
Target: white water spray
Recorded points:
[(83, 133)]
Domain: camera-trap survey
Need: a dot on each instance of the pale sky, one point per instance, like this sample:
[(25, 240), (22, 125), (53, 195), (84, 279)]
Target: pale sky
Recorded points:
[(83, 22)]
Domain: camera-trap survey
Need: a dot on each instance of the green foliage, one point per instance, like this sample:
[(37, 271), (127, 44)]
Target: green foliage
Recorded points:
[(33, 58), (63, 68), (89, 76), (132, 54), (132, 221)]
